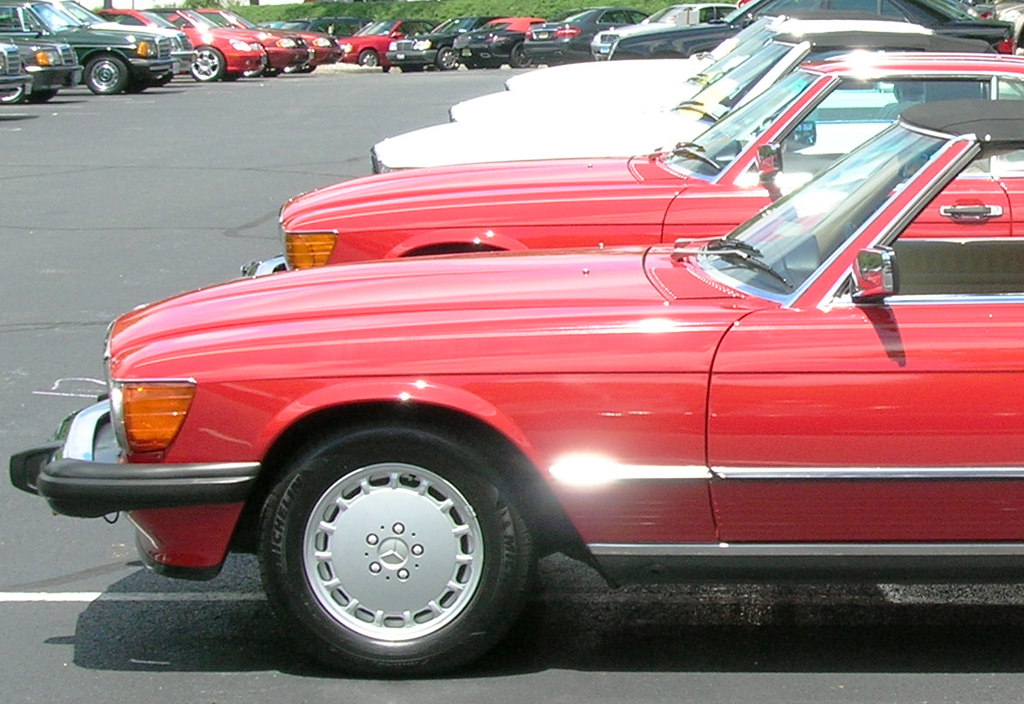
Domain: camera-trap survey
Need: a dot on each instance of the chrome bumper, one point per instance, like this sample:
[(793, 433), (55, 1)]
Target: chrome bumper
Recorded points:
[(262, 267)]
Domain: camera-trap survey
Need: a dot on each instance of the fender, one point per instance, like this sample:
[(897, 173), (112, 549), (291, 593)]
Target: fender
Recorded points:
[(471, 237), (396, 391)]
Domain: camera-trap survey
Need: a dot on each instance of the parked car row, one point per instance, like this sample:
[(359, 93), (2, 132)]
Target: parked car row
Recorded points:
[(733, 361)]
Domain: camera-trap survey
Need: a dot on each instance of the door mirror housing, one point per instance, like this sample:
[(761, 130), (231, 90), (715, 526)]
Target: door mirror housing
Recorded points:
[(769, 163), (875, 275)]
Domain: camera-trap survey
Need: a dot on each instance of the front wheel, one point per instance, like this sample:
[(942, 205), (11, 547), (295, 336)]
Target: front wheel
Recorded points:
[(106, 75), (518, 57), (389, 550), (446, 59), (369, 58), (16, 96), (208, 64)]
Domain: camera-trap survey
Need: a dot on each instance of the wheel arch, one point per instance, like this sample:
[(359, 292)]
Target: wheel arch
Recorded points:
[(454, 242), (454, 414)]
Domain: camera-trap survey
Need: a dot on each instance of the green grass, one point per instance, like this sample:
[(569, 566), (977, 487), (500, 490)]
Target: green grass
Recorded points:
[(429, 9)]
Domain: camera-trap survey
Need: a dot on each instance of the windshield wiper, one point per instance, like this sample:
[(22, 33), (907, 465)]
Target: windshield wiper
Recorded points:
[(734, 250), (698, 107)]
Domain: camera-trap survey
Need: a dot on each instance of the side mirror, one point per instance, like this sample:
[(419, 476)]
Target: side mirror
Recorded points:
[(397, 34), (769, 163), (875, 275)]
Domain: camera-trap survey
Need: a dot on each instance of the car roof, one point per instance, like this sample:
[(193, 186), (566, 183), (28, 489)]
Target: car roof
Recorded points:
[(996, 123)]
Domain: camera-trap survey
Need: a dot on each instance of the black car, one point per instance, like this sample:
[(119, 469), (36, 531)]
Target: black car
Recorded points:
[(51, 65), (115, 60), (941, 17), (566, 38), (434, 49), (498, 42)]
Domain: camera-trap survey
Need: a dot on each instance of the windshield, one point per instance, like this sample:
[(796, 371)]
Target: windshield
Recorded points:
[(80, 13), (238, 19), (456, 24), (201, 21), (796, 234), (53, 19), (727, 138), (215, 19), (158, 20), (952, 8), (381, 27), (727, 80)]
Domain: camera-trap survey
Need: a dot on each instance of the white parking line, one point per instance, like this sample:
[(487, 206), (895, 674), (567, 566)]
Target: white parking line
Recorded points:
[(88, 597)]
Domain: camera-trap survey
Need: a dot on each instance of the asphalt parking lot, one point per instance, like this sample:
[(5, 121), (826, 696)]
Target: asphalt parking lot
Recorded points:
[(113, 202)]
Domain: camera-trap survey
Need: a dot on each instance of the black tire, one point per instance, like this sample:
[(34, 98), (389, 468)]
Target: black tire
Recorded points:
[(369, 58), (367, 588), (17, 96), (231, 77), (42, 96), (208, 64), (446, 59), (106, 74), (517, 57)]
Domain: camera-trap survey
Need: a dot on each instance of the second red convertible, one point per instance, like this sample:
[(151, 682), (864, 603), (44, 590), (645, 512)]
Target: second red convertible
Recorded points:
[(698, 189), (813, 396)]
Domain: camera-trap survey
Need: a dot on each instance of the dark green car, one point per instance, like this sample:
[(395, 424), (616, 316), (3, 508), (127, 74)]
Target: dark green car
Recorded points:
[(115, 61)]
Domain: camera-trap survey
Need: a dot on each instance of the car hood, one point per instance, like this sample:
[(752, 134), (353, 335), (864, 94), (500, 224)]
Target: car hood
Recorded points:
[(550, 193), (658, 84), (84, 36), (456, 314), (621, 134)]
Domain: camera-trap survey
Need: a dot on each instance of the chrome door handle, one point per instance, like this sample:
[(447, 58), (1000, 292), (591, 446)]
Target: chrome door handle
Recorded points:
[(970, 213)]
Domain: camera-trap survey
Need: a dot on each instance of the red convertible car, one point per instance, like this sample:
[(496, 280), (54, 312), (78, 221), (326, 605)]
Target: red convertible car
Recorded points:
[(399, 440), (220, 55), (699, 189)]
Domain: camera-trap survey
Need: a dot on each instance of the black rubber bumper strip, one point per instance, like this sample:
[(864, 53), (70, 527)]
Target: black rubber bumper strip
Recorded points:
[(90, 489)]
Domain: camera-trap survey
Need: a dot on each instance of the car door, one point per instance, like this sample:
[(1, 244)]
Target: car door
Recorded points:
[(900, 422)]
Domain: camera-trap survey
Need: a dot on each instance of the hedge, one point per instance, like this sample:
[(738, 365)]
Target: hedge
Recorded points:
[(429, 9)]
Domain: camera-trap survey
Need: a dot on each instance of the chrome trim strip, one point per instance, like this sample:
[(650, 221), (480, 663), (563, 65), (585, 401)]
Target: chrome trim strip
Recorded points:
[(877, 473), (803, 549), (79, 442), (604, 473)]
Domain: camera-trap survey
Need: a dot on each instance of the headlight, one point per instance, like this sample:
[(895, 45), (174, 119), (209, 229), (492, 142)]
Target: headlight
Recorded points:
[(321, 41), (308, 249), (148, 415), (1009, 15), (392, 46), (286, 43), (143, 49), (239, 45), (45, 57), (347, 48), (422, 45)]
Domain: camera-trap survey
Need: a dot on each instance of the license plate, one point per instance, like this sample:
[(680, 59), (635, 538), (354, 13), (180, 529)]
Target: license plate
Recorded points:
[(399, 56), (603, 49), (542, 35), (467, 52)]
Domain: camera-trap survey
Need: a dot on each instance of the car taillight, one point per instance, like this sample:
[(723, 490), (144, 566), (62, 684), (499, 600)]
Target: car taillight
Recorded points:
[(308, 250), (567, 32), (1007, 46)]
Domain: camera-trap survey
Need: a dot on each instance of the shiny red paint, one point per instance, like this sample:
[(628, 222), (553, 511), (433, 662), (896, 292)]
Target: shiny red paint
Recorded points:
[(322, 47), (236, 62), (194, 538), (589, 202)]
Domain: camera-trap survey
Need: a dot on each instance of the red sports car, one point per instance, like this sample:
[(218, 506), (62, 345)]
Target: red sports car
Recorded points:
[(282, 51), (369, 46), (322, 47), (813, 396), (698, 189), (220, 55)]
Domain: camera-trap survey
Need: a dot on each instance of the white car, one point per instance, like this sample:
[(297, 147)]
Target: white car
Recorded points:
[(655, 84), (677, 15), (620, 130)]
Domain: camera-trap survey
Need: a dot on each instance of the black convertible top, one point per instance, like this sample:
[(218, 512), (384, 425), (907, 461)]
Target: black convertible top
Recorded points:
[(874, 41), (997, 123)]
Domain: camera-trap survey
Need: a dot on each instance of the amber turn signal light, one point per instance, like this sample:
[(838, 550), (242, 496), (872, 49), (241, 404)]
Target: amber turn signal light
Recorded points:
[(308, 250), (152, 413)]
